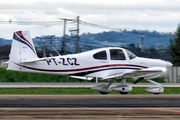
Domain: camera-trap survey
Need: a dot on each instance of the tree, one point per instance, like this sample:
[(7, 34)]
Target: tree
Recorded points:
[(175, 48)]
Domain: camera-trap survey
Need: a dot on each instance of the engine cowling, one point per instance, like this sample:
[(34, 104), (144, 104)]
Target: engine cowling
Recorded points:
[(155, 90), (122, 88)]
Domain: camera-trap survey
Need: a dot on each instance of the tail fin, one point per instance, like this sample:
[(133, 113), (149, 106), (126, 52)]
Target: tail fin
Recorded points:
[(22, 49)]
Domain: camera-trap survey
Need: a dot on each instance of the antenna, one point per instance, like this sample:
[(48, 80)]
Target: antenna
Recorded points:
[(55, 50)]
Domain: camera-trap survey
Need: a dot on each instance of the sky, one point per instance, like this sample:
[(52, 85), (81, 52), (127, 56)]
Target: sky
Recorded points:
[(159, 15)]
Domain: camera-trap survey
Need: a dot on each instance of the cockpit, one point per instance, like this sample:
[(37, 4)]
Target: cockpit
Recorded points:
[(115, 54)]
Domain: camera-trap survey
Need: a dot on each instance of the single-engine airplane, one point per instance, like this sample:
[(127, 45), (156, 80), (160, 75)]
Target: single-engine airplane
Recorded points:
[(106, 64)]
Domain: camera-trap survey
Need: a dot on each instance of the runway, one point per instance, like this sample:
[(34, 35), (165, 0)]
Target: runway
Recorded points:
[(96, 101), (90, 113), (90, 107)]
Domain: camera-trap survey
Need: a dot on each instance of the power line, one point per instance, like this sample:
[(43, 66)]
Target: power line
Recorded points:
[(132, 31), (72, 21), (32, 22), (98, 26), (77, 21)]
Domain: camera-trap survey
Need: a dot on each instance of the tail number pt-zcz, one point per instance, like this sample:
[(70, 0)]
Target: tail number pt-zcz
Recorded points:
[(63, 61)]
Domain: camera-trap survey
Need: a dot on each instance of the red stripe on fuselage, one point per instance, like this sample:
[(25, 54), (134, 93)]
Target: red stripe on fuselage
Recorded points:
[(82, 69)]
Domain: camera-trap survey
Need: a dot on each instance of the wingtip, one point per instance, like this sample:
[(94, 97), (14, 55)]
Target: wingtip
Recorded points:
[(7, 62)]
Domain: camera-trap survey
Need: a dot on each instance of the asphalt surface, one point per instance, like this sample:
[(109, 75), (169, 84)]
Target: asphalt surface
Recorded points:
[(90, 107), (92, 101), (90, 113)]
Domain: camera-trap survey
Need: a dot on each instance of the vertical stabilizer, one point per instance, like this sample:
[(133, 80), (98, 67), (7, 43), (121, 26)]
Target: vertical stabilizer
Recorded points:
[(22, 49)]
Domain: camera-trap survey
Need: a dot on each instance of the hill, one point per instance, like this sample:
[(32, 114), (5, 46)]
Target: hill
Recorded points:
[(90, 41)]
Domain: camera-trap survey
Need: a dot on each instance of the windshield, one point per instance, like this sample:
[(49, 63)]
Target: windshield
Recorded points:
[(130, 54)]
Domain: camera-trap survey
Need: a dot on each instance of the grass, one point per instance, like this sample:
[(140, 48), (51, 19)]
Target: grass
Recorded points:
[(14, 76), (70, 91)]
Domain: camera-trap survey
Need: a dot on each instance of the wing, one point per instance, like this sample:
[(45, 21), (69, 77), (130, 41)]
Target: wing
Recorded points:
[(81, 77), (153, 71)]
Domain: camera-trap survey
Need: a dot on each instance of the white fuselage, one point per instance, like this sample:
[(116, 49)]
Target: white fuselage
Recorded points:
[(95, 63)]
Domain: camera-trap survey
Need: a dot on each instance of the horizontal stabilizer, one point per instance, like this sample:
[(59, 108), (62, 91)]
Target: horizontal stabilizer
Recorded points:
[(33, 60), (7, 62)]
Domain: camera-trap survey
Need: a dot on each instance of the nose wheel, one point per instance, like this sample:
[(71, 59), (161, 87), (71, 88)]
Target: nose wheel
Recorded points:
[(123, 93)]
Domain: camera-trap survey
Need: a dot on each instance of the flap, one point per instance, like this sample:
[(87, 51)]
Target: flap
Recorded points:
[(84, 78)]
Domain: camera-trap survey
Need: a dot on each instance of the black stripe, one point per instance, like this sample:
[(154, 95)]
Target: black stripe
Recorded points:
[(93, 71)]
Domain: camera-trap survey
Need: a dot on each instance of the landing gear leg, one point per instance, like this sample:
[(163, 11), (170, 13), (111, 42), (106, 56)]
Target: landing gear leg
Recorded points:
[(123, 89), (104, 88), (107, 87)]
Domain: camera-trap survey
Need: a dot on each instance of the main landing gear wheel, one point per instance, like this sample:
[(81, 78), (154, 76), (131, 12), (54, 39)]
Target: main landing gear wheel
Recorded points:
[(123, 93), (156, 93), (103, 93)]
